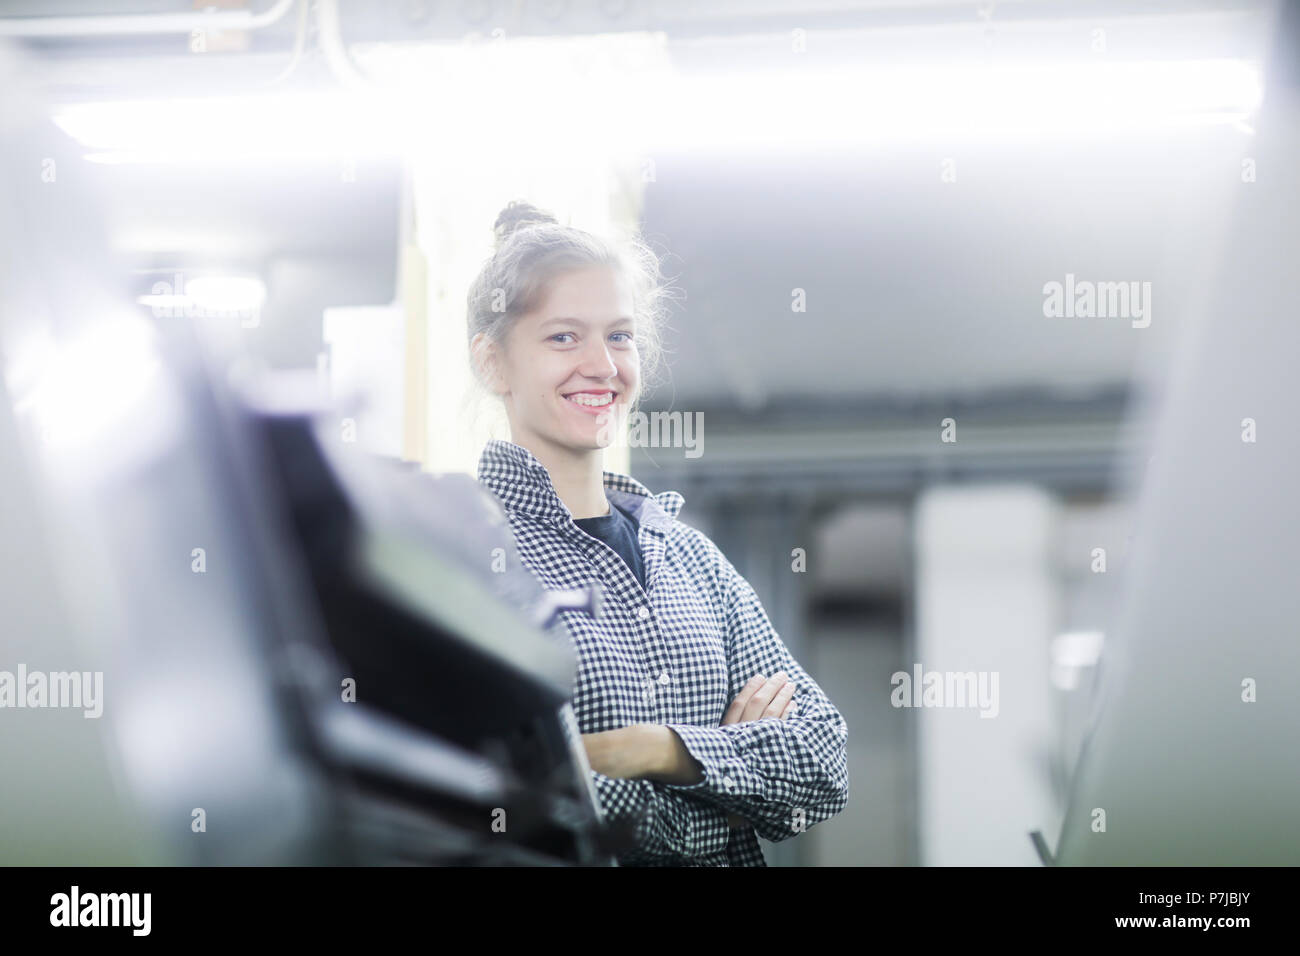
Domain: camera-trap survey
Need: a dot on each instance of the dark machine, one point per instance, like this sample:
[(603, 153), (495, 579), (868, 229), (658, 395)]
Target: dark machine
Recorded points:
[(309, 654)]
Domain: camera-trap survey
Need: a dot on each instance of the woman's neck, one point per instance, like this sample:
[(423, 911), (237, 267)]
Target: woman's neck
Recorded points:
[(578, 477)]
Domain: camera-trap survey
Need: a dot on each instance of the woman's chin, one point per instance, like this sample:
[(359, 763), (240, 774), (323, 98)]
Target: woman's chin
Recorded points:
[(593, 438), (597, 437)]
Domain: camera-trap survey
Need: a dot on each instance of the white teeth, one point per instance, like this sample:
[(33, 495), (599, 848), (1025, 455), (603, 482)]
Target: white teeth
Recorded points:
[(593, 400)]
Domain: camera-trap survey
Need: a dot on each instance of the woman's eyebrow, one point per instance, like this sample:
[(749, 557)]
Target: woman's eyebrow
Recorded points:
[(581, 322)]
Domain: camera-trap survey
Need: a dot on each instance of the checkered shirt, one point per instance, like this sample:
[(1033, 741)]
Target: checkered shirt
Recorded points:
[(678, 655)]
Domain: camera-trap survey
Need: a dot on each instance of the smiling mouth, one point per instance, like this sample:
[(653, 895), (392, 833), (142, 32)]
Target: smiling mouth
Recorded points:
[(590, 400)]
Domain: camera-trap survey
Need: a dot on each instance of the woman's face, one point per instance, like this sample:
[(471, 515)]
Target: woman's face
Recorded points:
[(570, 368)]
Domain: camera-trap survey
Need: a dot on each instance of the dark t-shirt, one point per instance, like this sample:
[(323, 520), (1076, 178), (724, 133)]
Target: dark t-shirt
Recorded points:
[(618, 530)]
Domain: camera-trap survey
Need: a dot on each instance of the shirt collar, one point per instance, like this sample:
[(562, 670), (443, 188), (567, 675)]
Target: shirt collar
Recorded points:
[(523, 484)]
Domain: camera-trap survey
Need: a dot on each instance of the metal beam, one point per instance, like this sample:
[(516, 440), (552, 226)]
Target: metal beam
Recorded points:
[(812, 450)]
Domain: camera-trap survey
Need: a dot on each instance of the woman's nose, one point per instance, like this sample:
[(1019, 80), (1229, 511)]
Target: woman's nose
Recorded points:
[(597, 361)]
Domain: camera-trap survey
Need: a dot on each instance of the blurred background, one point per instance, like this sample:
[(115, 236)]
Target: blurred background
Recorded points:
[(911, 458)]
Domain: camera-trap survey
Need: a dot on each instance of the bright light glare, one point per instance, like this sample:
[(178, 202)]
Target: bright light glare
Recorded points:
[(89, 390), (663, 108), (958, 102), (1071, 652)]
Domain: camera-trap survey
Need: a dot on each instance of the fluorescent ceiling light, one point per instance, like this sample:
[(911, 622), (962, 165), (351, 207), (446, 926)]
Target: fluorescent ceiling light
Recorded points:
[(214, 296), (226, 293), (300, 127), (568, 112), (958, 103)]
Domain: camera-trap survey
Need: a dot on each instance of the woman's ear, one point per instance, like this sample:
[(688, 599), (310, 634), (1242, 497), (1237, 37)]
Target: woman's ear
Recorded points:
[(487, 361)]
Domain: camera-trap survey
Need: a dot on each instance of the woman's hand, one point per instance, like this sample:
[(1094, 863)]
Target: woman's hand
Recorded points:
[(761, 697)]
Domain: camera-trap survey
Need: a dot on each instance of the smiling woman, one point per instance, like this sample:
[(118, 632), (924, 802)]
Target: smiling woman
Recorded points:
[(701, 729), (579, 314), (583, 359)]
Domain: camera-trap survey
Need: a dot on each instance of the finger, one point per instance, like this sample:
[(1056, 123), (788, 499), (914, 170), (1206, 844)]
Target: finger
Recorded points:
[(791, 709), (779, 702), (763, 696), (737, 708)]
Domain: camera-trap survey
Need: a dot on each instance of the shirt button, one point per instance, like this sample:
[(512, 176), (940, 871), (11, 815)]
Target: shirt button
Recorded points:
[(728, 782), (664, 678), (643, 612)]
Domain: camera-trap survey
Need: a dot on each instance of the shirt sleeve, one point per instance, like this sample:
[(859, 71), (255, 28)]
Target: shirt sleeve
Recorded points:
[(782, 775), (666, 823)]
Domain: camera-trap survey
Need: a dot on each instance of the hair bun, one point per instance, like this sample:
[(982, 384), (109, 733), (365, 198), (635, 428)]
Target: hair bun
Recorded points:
[(517, 215)]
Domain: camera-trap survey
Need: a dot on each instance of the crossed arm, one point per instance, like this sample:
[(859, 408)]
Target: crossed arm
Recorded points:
[(779, 775), (628, 763), (656, 752)]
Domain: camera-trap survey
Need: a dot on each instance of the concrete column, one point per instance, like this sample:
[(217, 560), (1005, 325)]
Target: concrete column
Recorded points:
[(987, 606)]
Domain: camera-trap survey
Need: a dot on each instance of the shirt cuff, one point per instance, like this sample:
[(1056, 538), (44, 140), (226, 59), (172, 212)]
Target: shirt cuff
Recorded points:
[(666, 824), (744, 761)]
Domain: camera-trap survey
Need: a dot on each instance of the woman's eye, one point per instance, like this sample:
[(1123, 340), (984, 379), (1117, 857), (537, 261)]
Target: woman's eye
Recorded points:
[(627, 337), (560, 335)]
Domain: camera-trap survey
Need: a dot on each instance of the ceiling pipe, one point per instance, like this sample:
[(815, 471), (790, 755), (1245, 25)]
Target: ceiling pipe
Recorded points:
[(145, 23)]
